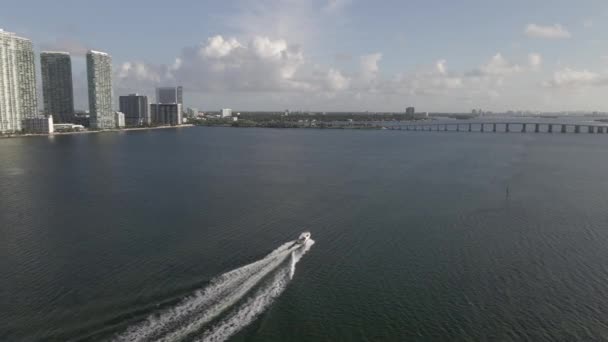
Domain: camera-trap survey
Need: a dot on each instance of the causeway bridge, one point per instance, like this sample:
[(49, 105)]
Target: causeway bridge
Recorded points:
[(504, 127)]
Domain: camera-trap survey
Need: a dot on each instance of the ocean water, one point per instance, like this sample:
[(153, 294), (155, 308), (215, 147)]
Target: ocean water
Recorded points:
[(184, 235)]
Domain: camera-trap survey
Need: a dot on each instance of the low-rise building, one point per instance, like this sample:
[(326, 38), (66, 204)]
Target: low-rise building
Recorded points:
[(192, 112), (166, 114), (67, 127), (226, 112), (38, 124), (119, 118)]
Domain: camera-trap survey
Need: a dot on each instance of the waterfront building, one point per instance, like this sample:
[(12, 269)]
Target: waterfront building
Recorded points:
[(38, 124), (169, 95), (226, 112), (119, 119), (68, 127), (136, 110), (99, 75), (166, 114), (18, 99), (57, 88), (192, 112)]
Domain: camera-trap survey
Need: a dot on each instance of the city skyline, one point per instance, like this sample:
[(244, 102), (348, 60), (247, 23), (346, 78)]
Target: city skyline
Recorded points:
[(332, 55)]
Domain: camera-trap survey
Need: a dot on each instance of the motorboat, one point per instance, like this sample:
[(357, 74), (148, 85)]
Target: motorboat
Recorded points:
[(303, 238)]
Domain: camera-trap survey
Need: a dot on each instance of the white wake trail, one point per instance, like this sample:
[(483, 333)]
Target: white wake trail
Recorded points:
[(257, 304), (197, 310)]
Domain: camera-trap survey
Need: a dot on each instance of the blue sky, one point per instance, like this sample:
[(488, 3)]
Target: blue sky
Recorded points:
[(337, 54)]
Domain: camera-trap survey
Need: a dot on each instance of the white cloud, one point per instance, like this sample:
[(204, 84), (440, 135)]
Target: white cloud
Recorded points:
[(217, 47), (570, 78), (262, 72), (535, 60), (335, 5), (231, 65), (442, 67), (336, 81), (547, 32), (588, 23), (369, 63), (497, 66)]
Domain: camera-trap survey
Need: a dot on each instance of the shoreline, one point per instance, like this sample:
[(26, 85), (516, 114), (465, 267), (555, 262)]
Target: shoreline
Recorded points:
[(92, 132)]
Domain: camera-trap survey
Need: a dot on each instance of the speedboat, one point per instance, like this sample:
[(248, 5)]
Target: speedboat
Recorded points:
[(303, 238)]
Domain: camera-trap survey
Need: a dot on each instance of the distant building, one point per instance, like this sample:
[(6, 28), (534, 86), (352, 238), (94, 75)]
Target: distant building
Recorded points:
[(169, 95), (67, 127), (226, 112), (57, 89), (119, 119), (18, 99), (166, 114), (410, 111), (82, 118), (99, 75), (38, 124), (136, 110), (192, 112)]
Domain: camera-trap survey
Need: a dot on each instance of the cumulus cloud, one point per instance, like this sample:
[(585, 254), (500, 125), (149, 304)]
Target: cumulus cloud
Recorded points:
[(336, 81), (218, 47), (588, 23), (335, 5), (496, 66), (260, 71), (570, 78), (260, 64), (547, 32), (369, 63), (535, 60), (441, 67)]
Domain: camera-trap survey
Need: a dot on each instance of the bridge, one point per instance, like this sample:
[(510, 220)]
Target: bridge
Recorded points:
[(504, 127)]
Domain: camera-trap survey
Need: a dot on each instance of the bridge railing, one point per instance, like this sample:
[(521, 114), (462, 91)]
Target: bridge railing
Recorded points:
[(504, 126)]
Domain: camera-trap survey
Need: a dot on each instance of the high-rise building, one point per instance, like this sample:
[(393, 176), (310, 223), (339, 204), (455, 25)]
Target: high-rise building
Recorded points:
[(99, 75), (168, 95), (410, 111), (17, 82), (135, 107), (166, 114), (57, 89)]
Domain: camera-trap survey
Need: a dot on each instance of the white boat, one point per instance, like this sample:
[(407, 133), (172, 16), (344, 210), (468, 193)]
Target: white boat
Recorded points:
[(303, 238)]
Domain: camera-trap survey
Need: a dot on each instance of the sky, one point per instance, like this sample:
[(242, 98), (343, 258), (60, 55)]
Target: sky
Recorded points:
[(336, 55)]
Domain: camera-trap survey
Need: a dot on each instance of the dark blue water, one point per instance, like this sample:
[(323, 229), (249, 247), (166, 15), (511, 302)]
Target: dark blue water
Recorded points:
[(419, 236)]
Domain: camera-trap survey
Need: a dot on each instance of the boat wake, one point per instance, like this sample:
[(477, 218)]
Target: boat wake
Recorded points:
[(229, 303)]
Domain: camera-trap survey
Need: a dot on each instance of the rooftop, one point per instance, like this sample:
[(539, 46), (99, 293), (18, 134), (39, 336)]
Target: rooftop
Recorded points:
[(55, 53), (98, 52), (12, 34)]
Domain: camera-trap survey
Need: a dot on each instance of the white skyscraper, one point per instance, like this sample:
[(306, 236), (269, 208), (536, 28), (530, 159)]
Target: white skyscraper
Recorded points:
[(99, 74), (17, 82)]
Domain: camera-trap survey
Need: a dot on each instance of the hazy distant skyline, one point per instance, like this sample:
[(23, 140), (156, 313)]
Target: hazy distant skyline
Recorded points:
[(336, 54)]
